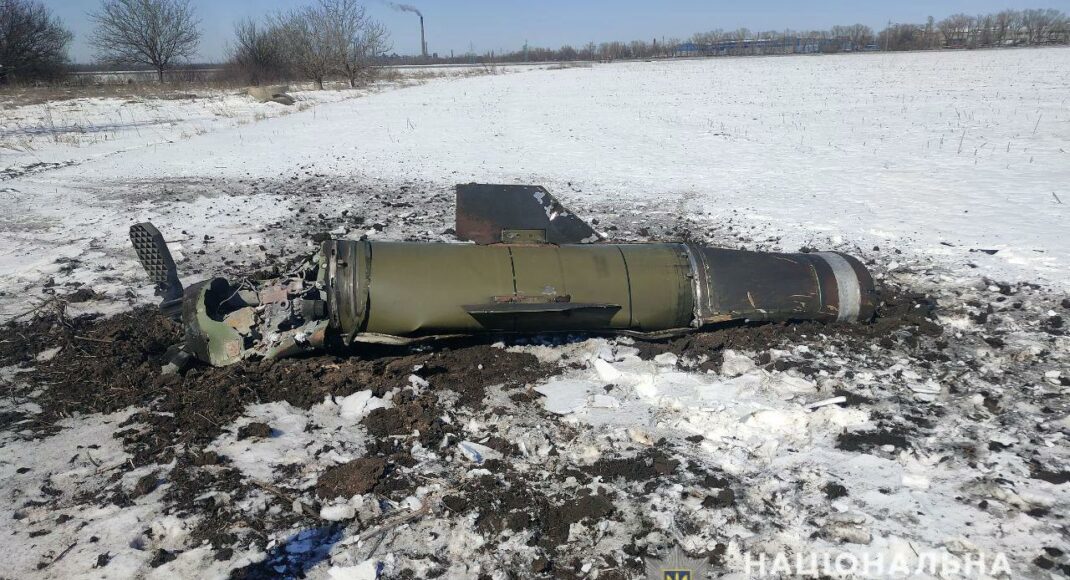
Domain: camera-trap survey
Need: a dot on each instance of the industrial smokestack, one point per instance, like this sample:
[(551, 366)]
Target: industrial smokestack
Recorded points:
[(414, 10), (423, 43)]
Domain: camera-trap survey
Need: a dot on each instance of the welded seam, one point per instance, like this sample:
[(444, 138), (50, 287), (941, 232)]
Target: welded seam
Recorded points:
[(365, 287), (817, 283), (628, 277), (847, 284), (512, 266), (696, 285)]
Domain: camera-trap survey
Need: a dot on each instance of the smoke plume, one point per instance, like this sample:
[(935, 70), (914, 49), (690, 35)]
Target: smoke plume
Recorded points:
[(406, 8)]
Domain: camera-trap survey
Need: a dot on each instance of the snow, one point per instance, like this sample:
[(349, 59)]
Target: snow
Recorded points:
[(757, 422), (366, 570), (40, 136), (70, 462), (477, 453), (337, 512), (292, 440)]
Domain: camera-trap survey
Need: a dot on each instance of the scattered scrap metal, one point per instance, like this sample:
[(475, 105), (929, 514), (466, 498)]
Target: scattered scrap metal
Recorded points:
[(534, 267), (273, 93)]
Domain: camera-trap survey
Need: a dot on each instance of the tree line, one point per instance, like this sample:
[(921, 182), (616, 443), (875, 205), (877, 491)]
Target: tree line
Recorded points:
[(1001, 29), (321, 40), (338, 39), (1005, 28), (332, 38)]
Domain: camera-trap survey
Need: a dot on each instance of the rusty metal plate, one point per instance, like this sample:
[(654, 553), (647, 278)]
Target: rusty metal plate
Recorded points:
[(485, 212)]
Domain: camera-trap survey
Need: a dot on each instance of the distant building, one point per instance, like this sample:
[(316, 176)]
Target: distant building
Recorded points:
[(760, 46)]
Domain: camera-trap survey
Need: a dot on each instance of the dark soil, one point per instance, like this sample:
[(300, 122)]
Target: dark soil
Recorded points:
[(354, 478), (835, 490), (641, 468), (108, 364), (864, 441), (254, 430)]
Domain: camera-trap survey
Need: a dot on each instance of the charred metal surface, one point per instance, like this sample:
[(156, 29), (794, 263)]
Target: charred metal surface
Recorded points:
[(360, 291), (516, 214), (736, 284)]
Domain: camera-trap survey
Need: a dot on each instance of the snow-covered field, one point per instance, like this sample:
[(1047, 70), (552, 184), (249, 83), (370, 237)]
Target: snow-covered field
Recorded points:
[(943, 441), (45, 135)]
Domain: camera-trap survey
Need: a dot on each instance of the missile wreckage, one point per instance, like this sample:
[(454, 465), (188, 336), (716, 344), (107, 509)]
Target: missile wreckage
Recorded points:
[(528, 266)]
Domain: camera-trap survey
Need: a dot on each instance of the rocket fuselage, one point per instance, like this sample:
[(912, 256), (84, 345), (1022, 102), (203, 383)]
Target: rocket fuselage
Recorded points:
[(535, 267), (418, 289)]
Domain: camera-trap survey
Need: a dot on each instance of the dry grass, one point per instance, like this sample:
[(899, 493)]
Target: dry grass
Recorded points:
[(31, 95), (564, 65), (18, 96)]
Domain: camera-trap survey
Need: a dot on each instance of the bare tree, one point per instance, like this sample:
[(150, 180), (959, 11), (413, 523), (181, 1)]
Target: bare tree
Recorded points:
[(33, 43), (638, 49), (856, 36), (1006, 26), (902, 37), (311, 41), (1038, 24), (983, 33), (671, 45), (358, 38), (956, 29), (258, 52), (157, 33)]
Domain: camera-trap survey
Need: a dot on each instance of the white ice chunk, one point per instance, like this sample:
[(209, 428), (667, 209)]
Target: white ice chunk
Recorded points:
[(605, 402), (477, 453), (666, 359), (337, 512), (566, 395), (366, 570), (606, 371), (48, 354), (915, 481), (357, 406), (736, 364)]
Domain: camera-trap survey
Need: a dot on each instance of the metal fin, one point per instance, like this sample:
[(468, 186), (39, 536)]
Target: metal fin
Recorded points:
[(156, 259), (492, 214)]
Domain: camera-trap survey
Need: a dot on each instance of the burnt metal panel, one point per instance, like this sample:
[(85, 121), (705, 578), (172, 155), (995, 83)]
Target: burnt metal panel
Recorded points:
[(491, 214), (737, 284)]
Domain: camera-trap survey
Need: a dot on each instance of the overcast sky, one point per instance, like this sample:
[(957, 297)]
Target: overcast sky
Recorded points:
[(483, 25)]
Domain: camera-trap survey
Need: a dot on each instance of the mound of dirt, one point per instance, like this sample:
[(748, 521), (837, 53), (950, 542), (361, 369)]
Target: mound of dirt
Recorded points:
[(354, 478)]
